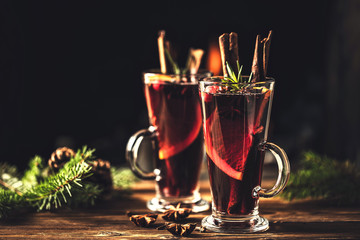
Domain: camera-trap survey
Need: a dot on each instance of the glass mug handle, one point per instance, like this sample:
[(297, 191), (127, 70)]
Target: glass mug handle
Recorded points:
[(283, 172), (132, 151)]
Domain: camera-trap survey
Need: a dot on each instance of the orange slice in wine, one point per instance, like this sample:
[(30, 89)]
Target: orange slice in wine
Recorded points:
[(183, 135), (159, 78), (227, 144), (175, 111)]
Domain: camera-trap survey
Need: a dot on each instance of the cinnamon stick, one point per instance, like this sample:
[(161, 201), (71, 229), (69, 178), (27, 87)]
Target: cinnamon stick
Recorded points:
[(229, 51), (161, 46), (257, 68), (194, 60), (261, 58), (266, 52)]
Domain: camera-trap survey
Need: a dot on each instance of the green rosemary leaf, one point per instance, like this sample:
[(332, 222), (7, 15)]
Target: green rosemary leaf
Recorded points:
[(235, 81), (229, 79), (175, 67), (239, 77), (187, 65), (231, 72), (250, 77)]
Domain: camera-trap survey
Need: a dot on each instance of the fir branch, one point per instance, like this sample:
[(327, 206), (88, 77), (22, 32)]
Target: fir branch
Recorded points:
[(8, 169), (33, 174), (9, 201), (9, 178), (122, 177), (10, 187), (85, 196), (40, 191), (321, 177), (54, 190)]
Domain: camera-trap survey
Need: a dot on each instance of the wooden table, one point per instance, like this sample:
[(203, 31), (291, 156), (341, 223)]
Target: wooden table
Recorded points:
[(108, 220)]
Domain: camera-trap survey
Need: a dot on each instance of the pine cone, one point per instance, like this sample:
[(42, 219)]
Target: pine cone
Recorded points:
[(101, 174), (59, 157)]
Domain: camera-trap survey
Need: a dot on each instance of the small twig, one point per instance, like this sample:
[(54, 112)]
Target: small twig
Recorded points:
[(11, 188)]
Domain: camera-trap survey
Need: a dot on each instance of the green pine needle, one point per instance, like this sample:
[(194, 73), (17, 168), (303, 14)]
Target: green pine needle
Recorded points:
[(9, 178), (33, 174), (53, 191), (321, 177), (43, 191), (9, 201), (122, 177)]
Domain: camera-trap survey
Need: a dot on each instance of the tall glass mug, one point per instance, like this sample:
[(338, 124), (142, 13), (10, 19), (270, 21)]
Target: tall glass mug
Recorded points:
[(235, 124), (175, 141)]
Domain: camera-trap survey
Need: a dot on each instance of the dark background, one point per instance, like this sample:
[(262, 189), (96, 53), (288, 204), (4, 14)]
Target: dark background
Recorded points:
[(70, 71)]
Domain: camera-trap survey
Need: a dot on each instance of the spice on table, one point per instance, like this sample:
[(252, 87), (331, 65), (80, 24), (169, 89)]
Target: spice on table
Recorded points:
[(178, 229), (176, 213), (144, 220)]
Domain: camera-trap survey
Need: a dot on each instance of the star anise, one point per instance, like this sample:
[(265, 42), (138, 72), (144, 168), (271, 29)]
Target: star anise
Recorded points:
[(144, 220), (178, 229), (176, 213)]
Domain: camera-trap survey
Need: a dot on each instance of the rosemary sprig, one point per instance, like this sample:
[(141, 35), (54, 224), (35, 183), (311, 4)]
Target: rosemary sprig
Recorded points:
[(235, 81), (192, 63), (174, 65)]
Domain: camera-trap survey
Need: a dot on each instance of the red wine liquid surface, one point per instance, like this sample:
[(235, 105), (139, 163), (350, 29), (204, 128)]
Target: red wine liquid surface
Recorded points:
[(175, 110), (233, 133)]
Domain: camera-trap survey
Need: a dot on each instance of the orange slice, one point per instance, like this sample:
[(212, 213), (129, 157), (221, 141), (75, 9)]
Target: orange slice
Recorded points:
[(185, 133), (227, 144)]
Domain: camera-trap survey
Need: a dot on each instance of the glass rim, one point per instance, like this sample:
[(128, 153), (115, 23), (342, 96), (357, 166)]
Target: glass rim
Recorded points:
[(153, 76), (215, 80), (157, 72)]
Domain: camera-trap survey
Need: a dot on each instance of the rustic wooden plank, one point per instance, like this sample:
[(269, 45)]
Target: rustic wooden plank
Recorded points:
[(295, 220)]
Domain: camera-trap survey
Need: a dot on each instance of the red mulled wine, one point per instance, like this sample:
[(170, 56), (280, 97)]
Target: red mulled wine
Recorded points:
[(174, 109), (234, 130)]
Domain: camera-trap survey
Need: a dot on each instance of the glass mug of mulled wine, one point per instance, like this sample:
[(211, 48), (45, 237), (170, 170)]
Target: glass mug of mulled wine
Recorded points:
[(171, 150), (235, 124)]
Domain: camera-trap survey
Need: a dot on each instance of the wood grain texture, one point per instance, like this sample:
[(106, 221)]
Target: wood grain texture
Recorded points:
[(295, 220)]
